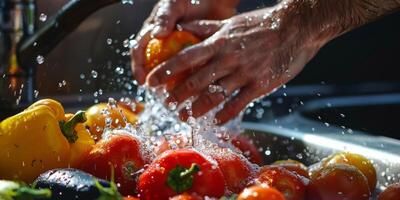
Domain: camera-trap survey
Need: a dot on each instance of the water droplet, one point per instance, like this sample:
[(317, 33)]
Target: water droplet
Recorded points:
[(94, 74), (127, 2), (43, 17), (82, 76), (215, 88), (172, 105), (36, 93), (119, 70), (195, 2), (40, 59), (126, 43), (109, 41), (168, 72)]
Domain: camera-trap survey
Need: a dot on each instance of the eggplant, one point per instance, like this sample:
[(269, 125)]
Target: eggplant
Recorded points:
[(70, 184)]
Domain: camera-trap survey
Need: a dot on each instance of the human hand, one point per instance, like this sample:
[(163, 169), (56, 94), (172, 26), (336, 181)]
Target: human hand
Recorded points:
[(163, 19), (253, 52)]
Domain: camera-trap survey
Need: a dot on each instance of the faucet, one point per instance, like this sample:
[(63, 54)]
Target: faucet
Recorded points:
[(23, 46)]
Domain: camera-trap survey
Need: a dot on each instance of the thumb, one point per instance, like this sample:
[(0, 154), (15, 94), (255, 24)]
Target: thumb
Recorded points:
[(202, 28)]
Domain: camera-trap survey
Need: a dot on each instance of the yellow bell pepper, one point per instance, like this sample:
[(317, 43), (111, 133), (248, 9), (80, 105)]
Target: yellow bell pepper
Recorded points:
[(82, 146), (38, 139)]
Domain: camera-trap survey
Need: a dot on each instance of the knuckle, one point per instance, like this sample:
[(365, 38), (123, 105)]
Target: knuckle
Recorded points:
[(192, 84)]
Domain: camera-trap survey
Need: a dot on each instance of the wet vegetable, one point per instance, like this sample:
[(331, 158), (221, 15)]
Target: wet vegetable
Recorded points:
[(118, 113), (10, 190), (248, 149), (338, 182), (260, 192), (67, 184), (293, 166), (356, 160), (392, 192), (123, 153), (292, 185), (178, 171), (159, 50), (38, 139), (237, 172)]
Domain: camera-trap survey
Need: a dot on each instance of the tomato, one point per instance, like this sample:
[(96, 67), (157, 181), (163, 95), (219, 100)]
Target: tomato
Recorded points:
[(186, 196), (356, 160), (392, 192), (159, 50), (249, 150), (97, 114), (130, 198), (290, 184), (293, 166), (338, 182), (260, 192), (237, 171), (123, 153), (178, 171)]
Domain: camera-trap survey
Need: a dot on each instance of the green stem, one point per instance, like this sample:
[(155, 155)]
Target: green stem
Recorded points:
[(180, 179), (68, 127), (25, 193), (191, 171)]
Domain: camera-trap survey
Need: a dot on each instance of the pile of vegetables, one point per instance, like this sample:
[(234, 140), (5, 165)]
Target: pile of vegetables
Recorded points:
[(67, 156), (61, 156)]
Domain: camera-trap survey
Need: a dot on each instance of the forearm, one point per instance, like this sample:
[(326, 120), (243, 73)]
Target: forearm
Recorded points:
[(318, 21), (327, 19)]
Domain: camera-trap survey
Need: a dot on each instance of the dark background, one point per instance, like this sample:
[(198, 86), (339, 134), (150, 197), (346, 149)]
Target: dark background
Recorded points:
[(367, 54)]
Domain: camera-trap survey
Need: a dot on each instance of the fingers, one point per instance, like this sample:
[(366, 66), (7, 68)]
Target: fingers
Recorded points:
[(202, 28), (166, 17), (137, 55), (202, 79), (238, 103), (187, 59), (212, 97)]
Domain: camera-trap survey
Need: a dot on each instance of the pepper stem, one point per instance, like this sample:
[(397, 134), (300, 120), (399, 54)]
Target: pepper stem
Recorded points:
[(24, 193), (189, 172), (180, 179), (68, 127), (109, 193)]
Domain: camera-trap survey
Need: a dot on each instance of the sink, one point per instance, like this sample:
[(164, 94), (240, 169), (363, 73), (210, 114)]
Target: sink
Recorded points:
[(373, 114)]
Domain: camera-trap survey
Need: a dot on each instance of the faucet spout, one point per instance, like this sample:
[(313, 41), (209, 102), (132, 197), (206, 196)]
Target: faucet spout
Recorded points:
[(57, 28)]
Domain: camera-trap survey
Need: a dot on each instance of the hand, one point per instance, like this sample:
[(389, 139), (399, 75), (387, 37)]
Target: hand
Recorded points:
[(253, 52), (163, 19)]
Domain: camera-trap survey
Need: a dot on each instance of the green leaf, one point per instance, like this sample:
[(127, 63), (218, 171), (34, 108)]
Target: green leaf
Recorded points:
[(233, 197), (180, 179), (10, 190)]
